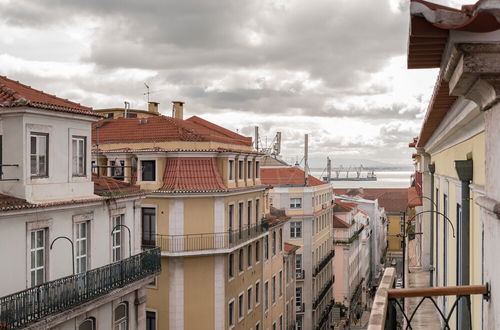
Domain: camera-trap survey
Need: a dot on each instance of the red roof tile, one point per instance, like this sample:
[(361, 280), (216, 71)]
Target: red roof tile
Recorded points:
[(339, 223), (414, 198), (192, 175), (161, 128), (16, 94), (108, 186), (209, 128), (290, 247), (286, 176), (391, 199)]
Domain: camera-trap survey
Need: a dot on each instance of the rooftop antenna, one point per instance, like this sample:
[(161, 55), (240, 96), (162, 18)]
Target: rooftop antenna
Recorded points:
[(257, 138), (147, 93)]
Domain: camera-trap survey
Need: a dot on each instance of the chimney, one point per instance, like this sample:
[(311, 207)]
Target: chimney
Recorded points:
[(153, 107), (178, 110)]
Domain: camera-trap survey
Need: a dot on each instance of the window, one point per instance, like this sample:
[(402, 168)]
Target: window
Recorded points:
[(295, 229), (79, 158), (150, 320), (274, 243), (295, 203), (273, 289), (266, 248), (298, 263), (241, 308), (88, 324), (257, 326), (81, 246), (249, 169), (266, 296), (148, 170), (274, 326), (121, 317), (117, 237), (38, 254), (240, 260), (231, 265), (109, 115), (249, 256), (231, 169), (257, 169), (117, 169), (281, 322), (257, 293), (231, 223), (240, 217), (231, 313), (257, 252), (280, 283), (240, 170), (249, 213), (249, 299), (148, 226), (131, 115), (257, 211), (280, 239), (39, 147), (298, 297)]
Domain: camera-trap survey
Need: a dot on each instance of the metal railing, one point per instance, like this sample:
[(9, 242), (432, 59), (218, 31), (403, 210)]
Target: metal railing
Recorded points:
[(32, 305), (342, 240), (300, 274), (323, 293), (204, 241), (323, 263), (388, 301), (325, 315)]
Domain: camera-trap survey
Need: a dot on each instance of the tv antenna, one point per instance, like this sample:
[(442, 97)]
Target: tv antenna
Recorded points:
[(148, 92)]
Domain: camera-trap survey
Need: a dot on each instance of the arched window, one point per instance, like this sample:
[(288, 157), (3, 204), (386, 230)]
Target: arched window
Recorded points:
[(121, 316), (88, 324)]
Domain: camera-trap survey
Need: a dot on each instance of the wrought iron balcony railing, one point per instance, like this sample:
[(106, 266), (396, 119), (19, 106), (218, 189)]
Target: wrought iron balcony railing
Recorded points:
[(323, 293), (20, 309), (387, 302), (300, 274), (325, 315), (323, 263), (341, 240), (205, 241)]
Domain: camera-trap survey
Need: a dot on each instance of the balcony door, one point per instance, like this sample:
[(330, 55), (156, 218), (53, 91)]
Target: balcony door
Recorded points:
[(148, 226)]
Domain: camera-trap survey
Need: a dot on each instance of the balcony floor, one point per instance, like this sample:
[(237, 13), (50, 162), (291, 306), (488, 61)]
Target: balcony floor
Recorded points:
[(427, 316)]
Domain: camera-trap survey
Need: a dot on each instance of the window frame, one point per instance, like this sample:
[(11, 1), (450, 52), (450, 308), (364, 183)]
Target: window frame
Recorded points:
[(241, 306), (117, 233), (78, 242), (153, 161), (230, 265), (149, 239), (257, 293), (231, 169), (295, 229), (249, 299), (231, 313), (150, 311), (38, 135), (34, 250), (78, 138), (117, 324), (296, 203)]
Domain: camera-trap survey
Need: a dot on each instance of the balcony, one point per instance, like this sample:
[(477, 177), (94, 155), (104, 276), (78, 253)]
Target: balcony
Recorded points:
[(325, 315), (300, 274), (343, 241), (323, 263), (26, 307), (423, 311), (203, 242), (323, 293)]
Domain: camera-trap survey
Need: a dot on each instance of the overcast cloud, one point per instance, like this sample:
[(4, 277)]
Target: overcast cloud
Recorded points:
[(332, 68)]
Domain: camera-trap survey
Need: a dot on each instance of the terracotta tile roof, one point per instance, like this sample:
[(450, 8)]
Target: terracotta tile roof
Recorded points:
[(341, 208), (16, 94), (107, 188), (414, 198), (276, 216), (430, 24), (339, 223), (286, 176), (190, 174), (290, 247), (393, 200), (158, 149), (162, 128)]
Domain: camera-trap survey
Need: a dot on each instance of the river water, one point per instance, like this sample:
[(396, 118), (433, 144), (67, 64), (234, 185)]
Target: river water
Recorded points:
[(385, 179)]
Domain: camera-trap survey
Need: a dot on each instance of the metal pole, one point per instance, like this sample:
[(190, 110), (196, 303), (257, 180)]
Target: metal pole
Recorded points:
[(72, 249), (404, 254), (129, 237), (432, 170)]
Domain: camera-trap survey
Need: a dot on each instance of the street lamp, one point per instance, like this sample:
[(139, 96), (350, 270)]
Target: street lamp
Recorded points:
[(129, 237), (72, 249)]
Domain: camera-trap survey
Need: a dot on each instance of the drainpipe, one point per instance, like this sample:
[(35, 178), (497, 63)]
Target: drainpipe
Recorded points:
[(432, 170), (464, 171)]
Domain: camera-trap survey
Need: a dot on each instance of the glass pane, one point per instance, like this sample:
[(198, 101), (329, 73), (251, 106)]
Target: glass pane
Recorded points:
[(39, 258), (83, 228), (41, 165), (33, 263), (39, 276), (33, 145), (74, 156), (33, 279), (42, 145), (32, 239), (33, 165), (40, 238), (83, 248)]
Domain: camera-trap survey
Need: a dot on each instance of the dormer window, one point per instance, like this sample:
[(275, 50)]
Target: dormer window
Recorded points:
[(39, 146), (78, 145), (148, 170)]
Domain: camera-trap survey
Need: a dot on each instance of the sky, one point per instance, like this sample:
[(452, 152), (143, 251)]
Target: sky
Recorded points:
[(334, 69)]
